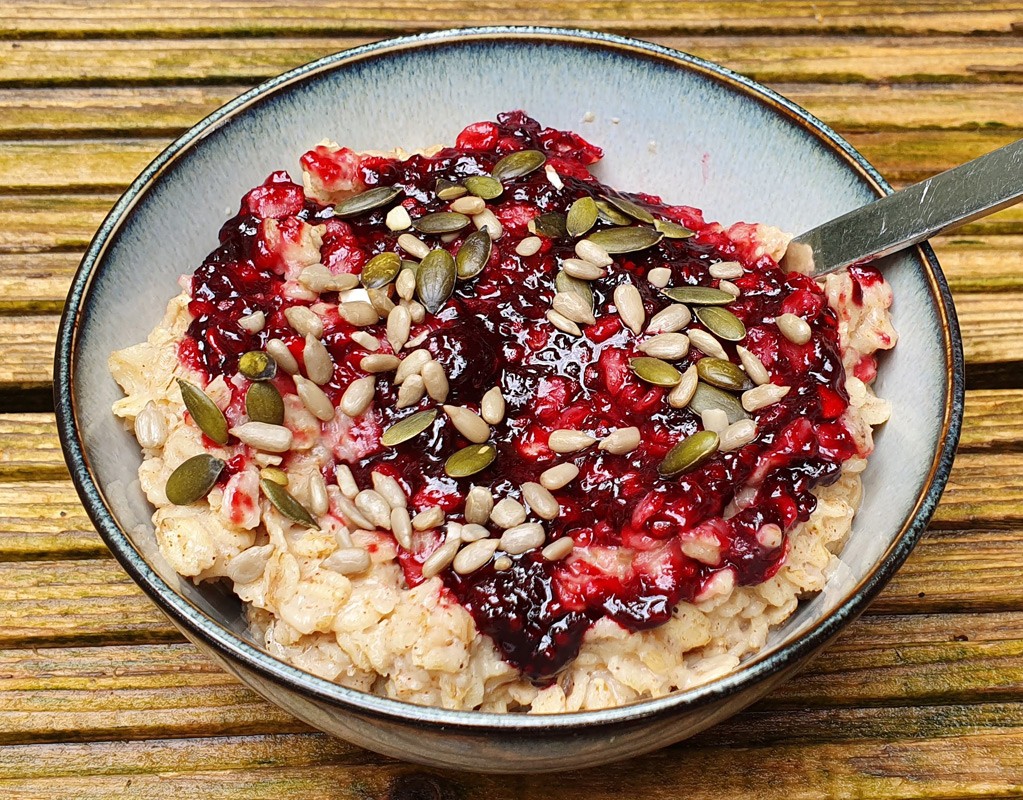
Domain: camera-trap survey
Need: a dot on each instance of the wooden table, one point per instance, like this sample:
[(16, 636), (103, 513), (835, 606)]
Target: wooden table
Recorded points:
[(99, 694)]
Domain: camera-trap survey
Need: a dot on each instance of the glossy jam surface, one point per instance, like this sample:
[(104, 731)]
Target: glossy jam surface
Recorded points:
[(628, 523)]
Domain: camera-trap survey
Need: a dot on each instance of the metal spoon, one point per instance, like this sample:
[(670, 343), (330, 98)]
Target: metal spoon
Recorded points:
[(948, 200)]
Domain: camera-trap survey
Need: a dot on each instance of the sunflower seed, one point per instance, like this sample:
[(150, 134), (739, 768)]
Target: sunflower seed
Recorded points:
[(659, 277), (428, 518), (317, 278), (553, 177), (697, 295), (435, 280), (558, 549), (726, 269), (468, 205), (150, 426), (541, 501), (474, 255), (264, 436), (795, 329), (470, 460), (435, 380), (408, 428), (609, 213), (502, 563), (582, 270), (689, 454), (625, 240), (738, 434), (633, 210), (763, 396), (193, 479), (286, 504), (358, 395), (440, 222), (516, 165), (257, 366), (479, 502), (529, 246), (374, 508), (346, 481), (714, 419), (398, 219), (621, 441), (728, 286), (379, 362), (399, 323), (588, 250), (707, 344), (682, 394), (414, 246), (563, 282), (563, 323), (754, 366), (559, 477), (380, 270), (389, 489), (412, 364), (722, 323), (492, 406), (672, 230), (573, 307), (358, 313), (483, 186), (447, 190), (405, 285), (401, 527), (670, 319), (629, 303), (314, 399), (655, 371), (263, 403), (551, 225), (440, 558), (669, 346), (411, 391), (249, 565), (522, 538), (318, 366), (706, 396), (508, 513), (370, 200), (474, 555), (253, 323), (352, 516), (488, 220), (721, 373), (347, 561), (472, 532), (206, 414), (366, 341), (382, 304), (303, 320), (582, 215), (569, 441), (468, 423)]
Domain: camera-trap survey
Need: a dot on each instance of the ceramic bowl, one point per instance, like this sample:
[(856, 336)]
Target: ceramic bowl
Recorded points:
[(671, 125)]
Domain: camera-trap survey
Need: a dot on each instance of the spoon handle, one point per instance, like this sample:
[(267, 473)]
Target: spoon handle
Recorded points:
[(947, 200)]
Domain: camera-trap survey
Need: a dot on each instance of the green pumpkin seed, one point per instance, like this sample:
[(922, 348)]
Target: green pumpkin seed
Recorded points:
[(263, 403), (381, 270), (446, 190), (473, 255), (257, 366), (281, 499), (484, 186), (193, 479), (370, 200), (408, 428), (721, 373), (552, 225), (515, 165), (722, 323), (408, 264), (672, 230), (707, 397), (655, 371), (441, 222), (626, 240), (470, 460), (275, 474), (563, 282), (698, 295), (628, 207), (690, 453), (582, 215), (435, 279), (204, 411), (608, 213)]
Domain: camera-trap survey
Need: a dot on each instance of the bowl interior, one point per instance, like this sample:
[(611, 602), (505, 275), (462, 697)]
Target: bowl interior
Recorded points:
[(668, 128)]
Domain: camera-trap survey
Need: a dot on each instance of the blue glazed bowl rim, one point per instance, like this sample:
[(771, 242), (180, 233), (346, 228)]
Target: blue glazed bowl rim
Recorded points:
[(233, 649)]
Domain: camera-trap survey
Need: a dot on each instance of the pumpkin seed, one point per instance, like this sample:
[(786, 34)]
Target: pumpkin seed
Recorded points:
[(369, 200), (655, 371), (281, 499), (473, 255), (204, 411), (582, 215), (563, 282), (552, 225), (447, 190), (275, 474), (690, 453), (257, 366), (707, 397), (193, 479), (609, 213), (515, 165), (698, 295), (720, 373), (263, 403), (672, 230), (722, 323), (441, 222), (381, 270), (435, 280), (626, 240), (408, 428), (628, 207), (470, 460), (484, 186)]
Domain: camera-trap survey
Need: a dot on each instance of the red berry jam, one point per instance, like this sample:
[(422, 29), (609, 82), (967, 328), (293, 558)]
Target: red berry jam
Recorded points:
[(628, 523)]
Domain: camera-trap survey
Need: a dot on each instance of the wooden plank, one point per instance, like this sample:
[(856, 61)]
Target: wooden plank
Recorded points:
[(27, 343), (45, 520), (982, 491), (301, 17), (34, 224), (980, 263), (992, 420), (35, 283), (770, 59), (30, 449)]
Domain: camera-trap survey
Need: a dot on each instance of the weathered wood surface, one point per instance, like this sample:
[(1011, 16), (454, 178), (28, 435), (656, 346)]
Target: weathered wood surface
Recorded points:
[(101, 697)]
